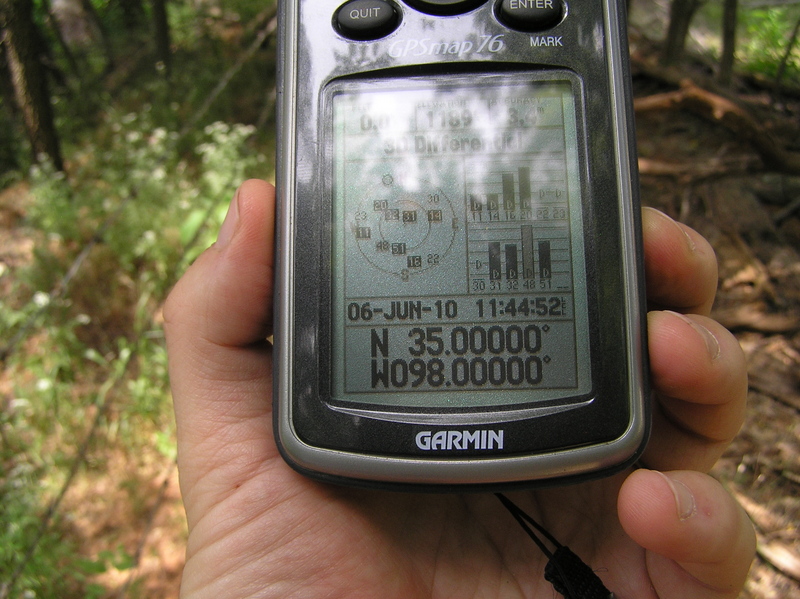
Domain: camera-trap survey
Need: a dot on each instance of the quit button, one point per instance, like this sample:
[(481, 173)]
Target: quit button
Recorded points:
[(367, 19), (531, 15)]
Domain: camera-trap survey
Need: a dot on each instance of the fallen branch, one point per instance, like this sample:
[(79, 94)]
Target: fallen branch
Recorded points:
[(787, 212), (754, 272), (694, 171), (781, 558), (776, 554), (766, 388), (773, 370), (744, 318), (725, 112)]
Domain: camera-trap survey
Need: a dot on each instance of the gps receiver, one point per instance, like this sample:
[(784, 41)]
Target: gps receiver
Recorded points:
[(459, 293)]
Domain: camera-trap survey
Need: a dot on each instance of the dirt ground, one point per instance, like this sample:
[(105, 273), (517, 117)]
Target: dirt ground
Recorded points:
[(752, 218), (743, 215)]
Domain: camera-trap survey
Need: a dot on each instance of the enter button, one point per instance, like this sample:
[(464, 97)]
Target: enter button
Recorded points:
[(531, 15)]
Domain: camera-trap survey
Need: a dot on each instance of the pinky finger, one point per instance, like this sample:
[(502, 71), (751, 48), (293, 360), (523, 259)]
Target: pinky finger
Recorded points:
[(699, 541)]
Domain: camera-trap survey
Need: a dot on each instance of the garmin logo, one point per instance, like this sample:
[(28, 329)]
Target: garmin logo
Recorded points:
[(460, 440)]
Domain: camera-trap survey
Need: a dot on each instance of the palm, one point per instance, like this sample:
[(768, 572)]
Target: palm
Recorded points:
[(469, 546), (327, 541)]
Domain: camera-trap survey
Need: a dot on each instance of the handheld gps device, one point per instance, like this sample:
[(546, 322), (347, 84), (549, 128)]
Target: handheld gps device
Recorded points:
[(459, 295)]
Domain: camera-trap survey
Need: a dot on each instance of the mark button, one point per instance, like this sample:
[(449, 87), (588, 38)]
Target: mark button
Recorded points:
[(531, 15)]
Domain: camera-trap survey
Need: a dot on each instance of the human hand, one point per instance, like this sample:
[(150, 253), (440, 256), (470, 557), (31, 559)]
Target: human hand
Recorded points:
[(259, 529)]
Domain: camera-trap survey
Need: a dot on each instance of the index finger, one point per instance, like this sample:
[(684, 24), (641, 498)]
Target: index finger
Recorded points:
[(680, 265)]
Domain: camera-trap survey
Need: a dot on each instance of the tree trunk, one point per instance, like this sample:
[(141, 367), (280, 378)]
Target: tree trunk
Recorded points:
[(729, 20), (52, 22), (23, 45), (161, 31), (105, 40), (132, 14), (785, 59), (9, 118), (680, 17)]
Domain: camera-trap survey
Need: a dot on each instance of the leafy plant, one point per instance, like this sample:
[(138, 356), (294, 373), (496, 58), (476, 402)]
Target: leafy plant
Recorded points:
[(766, 39), (144, 195), (21, 519), (97, 340)]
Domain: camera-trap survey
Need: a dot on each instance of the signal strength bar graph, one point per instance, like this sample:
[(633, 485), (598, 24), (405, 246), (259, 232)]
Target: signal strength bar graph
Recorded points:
[(518, 230)]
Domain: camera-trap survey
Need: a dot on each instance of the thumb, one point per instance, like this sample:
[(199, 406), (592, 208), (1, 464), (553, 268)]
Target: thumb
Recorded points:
[(225, 297), (699, 541), (216, 321)]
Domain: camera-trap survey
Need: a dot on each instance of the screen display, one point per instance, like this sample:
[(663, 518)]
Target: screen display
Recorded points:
[(458, 264)]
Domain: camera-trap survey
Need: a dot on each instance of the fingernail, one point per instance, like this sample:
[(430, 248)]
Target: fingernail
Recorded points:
[(666, 217), (712, 343), (229, 224), (684, 500)]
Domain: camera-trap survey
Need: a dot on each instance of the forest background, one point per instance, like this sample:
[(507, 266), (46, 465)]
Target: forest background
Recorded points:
[(125, 126)]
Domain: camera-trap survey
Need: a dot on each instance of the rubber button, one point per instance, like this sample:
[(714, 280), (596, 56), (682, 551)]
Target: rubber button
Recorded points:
[(444, 7), (367, 19), (531, 15)]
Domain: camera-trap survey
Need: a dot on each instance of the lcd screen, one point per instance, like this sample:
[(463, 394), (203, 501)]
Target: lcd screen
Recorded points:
[(458, 258)]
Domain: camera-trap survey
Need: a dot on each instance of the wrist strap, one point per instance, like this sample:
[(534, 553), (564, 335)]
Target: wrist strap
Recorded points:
[(568, 574)]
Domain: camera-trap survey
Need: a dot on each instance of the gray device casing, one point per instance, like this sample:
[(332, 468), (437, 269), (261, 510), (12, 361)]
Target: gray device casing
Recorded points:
[(609, 430)]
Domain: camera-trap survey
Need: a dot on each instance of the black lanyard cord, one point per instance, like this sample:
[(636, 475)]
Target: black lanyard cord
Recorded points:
[(564, 570)]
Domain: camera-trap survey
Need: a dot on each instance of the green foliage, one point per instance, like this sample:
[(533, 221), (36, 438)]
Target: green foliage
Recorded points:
[(21, 518), (56, 568), (56, 214), (141, 199), (763, 35), (766, 39), (155, 211)]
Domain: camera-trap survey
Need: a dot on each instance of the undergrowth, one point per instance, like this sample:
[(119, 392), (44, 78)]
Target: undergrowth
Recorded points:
[(84, 355), (763, 37)]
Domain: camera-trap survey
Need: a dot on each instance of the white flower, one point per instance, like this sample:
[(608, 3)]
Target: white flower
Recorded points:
[(41, 299)]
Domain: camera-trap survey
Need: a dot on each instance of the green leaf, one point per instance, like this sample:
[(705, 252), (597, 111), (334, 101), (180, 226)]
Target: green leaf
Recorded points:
[(192, 224)]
